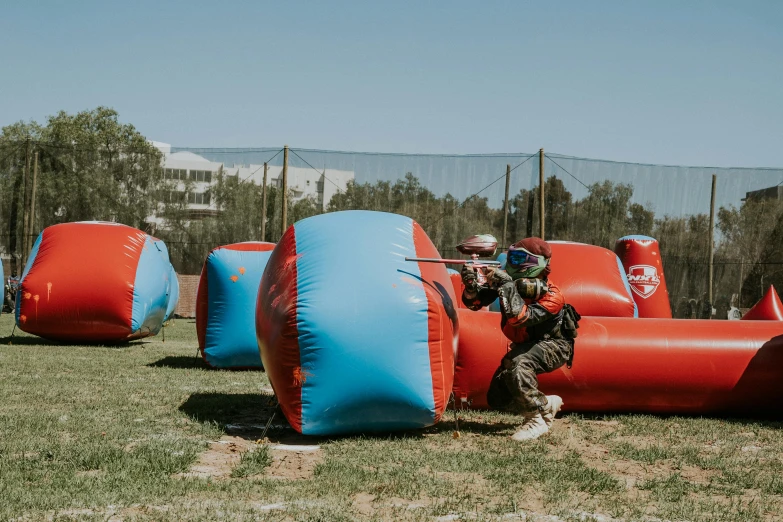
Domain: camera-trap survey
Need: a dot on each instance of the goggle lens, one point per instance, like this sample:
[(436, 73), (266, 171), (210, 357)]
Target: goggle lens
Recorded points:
[(520, 257)]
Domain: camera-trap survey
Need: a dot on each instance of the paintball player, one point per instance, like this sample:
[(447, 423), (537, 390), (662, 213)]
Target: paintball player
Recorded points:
[(535, 317)]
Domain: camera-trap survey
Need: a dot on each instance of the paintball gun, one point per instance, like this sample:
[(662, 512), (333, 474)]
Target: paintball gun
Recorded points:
[(481, 245)]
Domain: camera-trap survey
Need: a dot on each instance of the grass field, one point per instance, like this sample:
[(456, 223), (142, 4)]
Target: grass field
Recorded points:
[(146, 432)]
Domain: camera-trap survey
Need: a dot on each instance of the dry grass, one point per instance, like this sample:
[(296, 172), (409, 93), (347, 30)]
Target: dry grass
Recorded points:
[(146, 432)]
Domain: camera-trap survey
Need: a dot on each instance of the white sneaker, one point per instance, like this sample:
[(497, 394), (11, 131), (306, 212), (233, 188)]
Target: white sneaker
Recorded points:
[(533, 427), (554, 403)]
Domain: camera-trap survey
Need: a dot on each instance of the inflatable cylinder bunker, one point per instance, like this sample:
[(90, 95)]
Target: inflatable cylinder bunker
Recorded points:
[(94, 282), (641, 258), (353, 337), (671, 366), (591, 278), (226, 304)]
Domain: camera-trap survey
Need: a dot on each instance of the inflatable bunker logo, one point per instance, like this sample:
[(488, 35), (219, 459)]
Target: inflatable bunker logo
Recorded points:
[(644, 280)]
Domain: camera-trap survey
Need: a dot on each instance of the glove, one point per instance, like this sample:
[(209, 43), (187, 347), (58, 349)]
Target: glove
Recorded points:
[(469, 279), (497, 277)]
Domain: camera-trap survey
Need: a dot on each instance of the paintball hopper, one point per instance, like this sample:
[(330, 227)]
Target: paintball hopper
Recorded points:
[(481, 245)]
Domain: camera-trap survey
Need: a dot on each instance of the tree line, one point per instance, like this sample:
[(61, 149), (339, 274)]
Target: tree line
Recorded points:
[(93, 167)]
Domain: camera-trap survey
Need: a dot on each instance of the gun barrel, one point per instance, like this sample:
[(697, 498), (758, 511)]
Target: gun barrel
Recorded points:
[(452, 261)]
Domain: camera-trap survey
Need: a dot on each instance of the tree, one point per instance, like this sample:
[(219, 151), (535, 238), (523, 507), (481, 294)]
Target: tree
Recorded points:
[(750, 246), (606, 214), (91, 167)]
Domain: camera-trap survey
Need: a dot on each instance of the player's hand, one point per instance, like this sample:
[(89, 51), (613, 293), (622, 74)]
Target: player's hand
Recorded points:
[(497, 277), (469, 278)]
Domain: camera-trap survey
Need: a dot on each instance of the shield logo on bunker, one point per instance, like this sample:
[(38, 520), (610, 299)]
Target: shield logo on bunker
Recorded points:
[(644, 280)]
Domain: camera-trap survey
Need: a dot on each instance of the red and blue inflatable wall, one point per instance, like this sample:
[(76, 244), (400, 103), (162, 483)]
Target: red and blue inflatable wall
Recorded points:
[(94, 282), (353, 337), (226, 304)]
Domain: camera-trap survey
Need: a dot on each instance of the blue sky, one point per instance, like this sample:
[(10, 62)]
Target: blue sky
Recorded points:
[(693, 83)]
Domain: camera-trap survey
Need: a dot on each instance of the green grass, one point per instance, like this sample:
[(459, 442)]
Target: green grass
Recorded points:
[(89, 433), (252, 462)]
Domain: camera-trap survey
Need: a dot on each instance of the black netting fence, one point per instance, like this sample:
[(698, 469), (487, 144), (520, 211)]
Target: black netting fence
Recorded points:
[(196, 199)]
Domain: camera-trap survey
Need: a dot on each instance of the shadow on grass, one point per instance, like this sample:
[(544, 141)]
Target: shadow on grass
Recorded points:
[(185, 362), (27, 340), (245, 415), (180, 362)]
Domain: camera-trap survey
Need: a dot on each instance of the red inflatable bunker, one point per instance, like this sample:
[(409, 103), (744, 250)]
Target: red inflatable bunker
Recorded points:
[(641, 258), (644, 365), (479, 352), (95, 282), (769, 308), (592, 279)]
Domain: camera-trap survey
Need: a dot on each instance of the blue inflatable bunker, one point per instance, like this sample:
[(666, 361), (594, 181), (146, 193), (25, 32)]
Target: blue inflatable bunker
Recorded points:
[(355, 338), (173, 282), (226, 303)]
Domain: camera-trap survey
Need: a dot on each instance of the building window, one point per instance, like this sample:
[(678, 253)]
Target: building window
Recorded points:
[(174, 196), (201, 175), (319, 187), (175, 174), (199, 198)]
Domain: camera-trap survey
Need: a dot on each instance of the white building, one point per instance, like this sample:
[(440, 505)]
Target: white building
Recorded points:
[(303, 182)]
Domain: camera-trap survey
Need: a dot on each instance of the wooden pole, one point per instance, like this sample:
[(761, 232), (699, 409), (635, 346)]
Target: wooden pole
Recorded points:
[(31, 226), (263, 206), (505, 208), (285, 188), (541, 212), (25, 203), (531, 203), (712, 243)]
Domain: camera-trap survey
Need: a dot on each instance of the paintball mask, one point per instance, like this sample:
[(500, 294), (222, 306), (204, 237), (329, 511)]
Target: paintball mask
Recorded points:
[(522, 264)]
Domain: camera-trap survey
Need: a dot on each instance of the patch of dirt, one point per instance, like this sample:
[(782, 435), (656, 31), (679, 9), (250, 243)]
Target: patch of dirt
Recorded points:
[(397, 502), (219, 459), (293, 462), (534, 501), (362, 503), (476, 480), (630, 472)]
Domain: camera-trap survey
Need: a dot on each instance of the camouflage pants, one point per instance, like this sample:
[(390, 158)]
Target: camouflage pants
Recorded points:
[(514, 386)]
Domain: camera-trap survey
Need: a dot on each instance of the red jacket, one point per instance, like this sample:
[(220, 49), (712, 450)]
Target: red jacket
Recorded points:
[(523, 319)]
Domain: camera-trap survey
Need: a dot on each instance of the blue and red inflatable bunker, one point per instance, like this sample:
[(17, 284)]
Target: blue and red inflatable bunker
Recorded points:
[(357, 339), (226, 304), (95, 282)]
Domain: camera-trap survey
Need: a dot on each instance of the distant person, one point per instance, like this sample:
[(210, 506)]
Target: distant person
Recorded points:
[(704, 310), (734, 313), (722, 306), (682, 311)]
